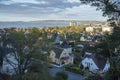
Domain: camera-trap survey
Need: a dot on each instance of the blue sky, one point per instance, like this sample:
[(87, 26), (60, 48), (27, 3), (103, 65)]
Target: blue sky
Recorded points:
[(30, 10)]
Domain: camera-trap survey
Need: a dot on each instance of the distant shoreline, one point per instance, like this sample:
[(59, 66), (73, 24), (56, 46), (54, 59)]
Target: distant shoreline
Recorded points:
[(54, 21), (44, 23)]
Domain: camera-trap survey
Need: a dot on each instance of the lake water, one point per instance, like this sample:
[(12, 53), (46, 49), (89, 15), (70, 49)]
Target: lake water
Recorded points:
[(34, 24)]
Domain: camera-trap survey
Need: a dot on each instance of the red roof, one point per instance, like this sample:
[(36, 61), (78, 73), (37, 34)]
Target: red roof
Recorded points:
[(5, 76), (64, 58), (49, 34), (92, 43)]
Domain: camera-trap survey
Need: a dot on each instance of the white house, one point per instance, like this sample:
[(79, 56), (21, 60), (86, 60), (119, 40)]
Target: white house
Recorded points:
[(49, 35), (89, 29), (94, 63), (58, 38), (60, 56), (67, 48), (108, 29), (10, 61), (82, 38), (9, 64)]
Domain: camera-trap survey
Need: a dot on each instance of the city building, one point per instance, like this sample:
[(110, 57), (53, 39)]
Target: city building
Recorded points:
[(73, 23)]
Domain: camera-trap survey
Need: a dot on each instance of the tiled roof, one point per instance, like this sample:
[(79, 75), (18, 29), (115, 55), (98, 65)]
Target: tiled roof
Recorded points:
[(65, 46), (58, 52), (64, 58), (98, 60)]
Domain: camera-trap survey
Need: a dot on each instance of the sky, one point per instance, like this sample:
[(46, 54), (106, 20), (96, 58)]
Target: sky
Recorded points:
[(31, 10)]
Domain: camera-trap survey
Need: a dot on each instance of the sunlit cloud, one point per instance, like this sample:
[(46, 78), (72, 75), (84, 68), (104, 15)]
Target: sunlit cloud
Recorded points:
[(26, 10)]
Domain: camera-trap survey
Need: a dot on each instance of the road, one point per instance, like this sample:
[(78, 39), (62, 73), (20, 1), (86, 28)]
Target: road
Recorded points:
[(71, 76)]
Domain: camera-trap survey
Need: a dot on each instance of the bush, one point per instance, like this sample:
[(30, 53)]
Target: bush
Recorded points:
[(94, 77), (74, 69), (61, 76)]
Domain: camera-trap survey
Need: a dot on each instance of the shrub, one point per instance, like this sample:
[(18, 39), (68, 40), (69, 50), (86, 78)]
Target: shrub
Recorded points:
[(61, 76)]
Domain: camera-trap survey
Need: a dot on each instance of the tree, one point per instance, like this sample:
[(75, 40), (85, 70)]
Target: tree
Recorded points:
[(94, 77), (25, 51), (110, 8), (1, 58), (61, 76)]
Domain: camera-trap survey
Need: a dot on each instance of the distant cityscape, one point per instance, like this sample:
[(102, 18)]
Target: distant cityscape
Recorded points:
[(47, 23)]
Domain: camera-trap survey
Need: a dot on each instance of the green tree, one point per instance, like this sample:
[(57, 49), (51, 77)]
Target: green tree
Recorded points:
[(94, 77), (110, 8), (61, 76), (26, 52)]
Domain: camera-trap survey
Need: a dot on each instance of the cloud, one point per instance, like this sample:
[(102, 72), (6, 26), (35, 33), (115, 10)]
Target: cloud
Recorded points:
[(46, 9), (23, 7), (43, 3)]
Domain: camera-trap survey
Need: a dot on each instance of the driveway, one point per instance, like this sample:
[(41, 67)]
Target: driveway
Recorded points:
[(71, 76)]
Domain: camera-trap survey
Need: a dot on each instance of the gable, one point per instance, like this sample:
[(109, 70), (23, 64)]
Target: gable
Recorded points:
[(99, 61), (64, 54), (88, 62), (58, 52), (52, 54)]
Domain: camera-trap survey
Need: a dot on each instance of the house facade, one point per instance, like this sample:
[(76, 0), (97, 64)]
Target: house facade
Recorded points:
[(49, 35), (66, 48), (60, 56), (101, 28), (9, 64), (95, 64)]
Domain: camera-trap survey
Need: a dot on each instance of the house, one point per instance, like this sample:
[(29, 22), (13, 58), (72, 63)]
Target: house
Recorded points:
[(49, 35), (92, 43), (89, 29), (95, 63), (71, 42), (107, 29), (44, 50), (6, 59), (58, 39), (10, 60), (60, 56), (79, 48), (4, 77), (66, 47), (9, 64), (82, 38)]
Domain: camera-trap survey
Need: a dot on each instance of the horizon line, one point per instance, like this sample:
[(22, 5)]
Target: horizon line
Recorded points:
[(55, 20)]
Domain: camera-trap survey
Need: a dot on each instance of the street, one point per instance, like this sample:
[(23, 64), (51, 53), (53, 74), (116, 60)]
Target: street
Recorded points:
[(71, 76)]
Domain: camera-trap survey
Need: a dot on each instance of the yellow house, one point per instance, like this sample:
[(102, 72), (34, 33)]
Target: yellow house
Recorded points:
[(60, 56)]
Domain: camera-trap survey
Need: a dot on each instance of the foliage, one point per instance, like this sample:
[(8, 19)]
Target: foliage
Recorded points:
[(114, 40), (26, 51), (102, 49), (94, 77), (74, 69), (61, 76), (109, 8)]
